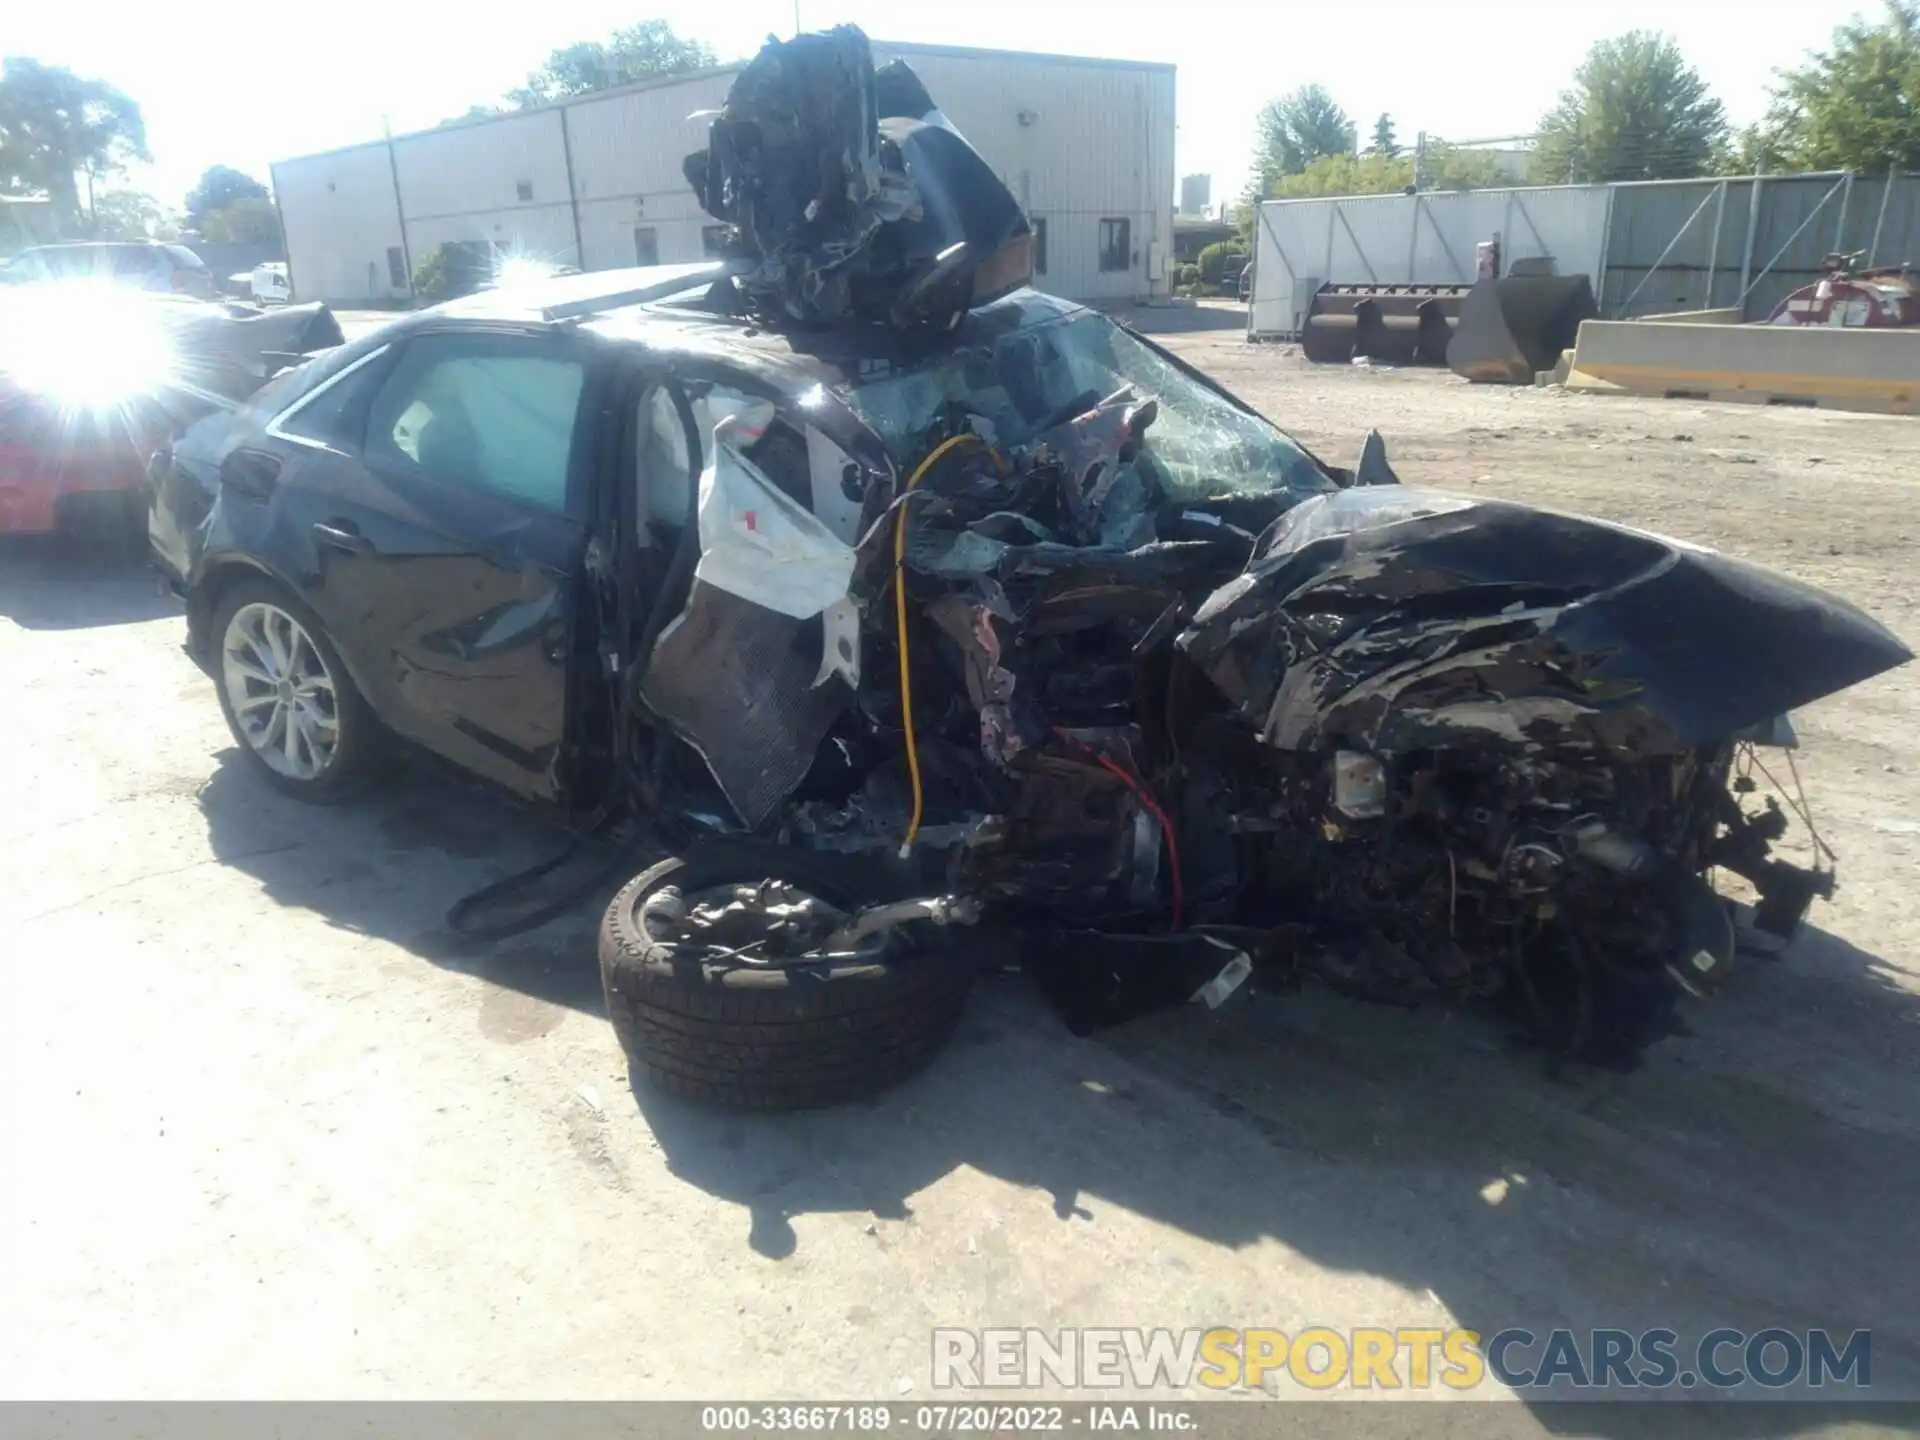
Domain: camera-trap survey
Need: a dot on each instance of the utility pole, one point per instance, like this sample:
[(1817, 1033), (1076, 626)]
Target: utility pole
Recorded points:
[(1419, 158)]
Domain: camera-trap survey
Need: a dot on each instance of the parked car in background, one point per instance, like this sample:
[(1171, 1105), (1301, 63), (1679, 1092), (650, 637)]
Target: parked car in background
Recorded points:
[(267, 283), (95, 378), (1246, 284), (135, 264)]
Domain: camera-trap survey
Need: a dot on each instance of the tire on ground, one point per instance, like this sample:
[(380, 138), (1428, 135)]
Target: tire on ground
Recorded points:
[(795, 1038)]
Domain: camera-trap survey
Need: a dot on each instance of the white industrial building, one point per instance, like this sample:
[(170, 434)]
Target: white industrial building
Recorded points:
[(1085, 144)]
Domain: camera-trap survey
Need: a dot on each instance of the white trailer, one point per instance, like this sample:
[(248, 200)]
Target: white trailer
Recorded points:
[(1425, 239)]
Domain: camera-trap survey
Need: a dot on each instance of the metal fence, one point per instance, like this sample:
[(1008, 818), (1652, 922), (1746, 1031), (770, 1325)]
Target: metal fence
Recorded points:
[(1651, 247), (1747, 244)]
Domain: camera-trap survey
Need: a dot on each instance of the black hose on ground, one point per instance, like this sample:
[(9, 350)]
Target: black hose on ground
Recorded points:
[(463, 919)]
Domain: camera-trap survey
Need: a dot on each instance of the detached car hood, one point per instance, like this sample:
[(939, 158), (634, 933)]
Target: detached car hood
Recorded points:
[(1404, 619)]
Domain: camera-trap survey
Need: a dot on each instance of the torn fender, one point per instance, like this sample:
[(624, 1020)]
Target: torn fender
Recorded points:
[(233, 354)]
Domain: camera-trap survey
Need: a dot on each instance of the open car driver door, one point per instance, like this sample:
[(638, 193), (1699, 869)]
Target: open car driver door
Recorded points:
[(751, 650)]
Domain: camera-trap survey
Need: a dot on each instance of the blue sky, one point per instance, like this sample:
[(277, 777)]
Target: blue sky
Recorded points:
[(326, 75)]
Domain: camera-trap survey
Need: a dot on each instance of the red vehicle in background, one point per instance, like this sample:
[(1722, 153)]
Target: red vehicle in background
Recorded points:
[(96, 376), (1850, 295), (76, 473)]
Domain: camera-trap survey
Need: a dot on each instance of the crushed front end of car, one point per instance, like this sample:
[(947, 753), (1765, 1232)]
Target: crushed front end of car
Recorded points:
[(1123, 678)]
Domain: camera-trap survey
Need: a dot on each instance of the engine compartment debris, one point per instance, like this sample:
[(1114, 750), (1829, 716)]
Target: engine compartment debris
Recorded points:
[(1146, 683)]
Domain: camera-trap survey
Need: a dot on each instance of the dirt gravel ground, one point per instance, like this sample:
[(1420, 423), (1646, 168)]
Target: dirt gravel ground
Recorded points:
[(269, 1131)]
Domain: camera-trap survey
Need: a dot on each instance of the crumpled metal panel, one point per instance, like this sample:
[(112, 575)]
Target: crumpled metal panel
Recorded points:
[(851, 196), (736, 681), (1405, 619)]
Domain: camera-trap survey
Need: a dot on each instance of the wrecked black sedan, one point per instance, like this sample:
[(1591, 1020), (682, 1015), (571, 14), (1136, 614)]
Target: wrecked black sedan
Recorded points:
[(924, 616)]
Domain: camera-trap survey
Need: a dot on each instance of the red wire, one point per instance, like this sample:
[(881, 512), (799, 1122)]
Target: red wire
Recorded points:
[(1166, 828)]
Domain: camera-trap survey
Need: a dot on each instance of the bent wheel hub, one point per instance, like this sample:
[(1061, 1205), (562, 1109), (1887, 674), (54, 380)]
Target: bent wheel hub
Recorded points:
[(768, 923), (282, 694)]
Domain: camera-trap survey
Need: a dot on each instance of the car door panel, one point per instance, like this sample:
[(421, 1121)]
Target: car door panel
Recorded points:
[(451, 604), (750, 672)]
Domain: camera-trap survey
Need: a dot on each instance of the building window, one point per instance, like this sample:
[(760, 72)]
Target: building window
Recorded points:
[(524, 189), (1039, 247), (646, 245), (397, 267), (713, 240), (1116, 245)]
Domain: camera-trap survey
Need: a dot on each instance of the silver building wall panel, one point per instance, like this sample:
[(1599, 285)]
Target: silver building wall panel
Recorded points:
[(627, 152), (1659, 262), (341, 218), (474, 170), (1087, 146)]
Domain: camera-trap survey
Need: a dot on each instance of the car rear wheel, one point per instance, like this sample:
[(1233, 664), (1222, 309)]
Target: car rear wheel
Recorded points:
[(287, 698), (721, 1011)]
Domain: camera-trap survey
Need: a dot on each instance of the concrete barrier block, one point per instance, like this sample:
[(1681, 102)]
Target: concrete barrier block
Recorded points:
[(1731, 315), (1851, 369)]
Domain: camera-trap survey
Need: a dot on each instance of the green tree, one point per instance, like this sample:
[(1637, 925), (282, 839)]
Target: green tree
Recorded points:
[(1370, 174), (128, 215), (219, 188), (1296, 130), (1376, 174), (60, 132), (1758, 148), (639, 52), (249, 220), (1636, 111), (1857, 105), (451, 270), (1450, 168), (1220, 262), (1385, 142)]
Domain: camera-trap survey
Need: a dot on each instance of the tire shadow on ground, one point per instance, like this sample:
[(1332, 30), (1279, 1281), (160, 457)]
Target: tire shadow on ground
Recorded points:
[(391, 863)]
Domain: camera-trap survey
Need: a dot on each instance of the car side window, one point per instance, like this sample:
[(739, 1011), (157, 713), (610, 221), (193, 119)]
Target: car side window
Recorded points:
[(492, 413), (666, 470), (329, 415)]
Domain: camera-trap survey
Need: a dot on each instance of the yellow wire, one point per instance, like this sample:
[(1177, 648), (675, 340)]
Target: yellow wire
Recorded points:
[(900, 619)]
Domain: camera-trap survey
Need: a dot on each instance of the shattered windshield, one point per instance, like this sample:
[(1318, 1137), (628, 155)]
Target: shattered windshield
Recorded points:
[(1055, 367)]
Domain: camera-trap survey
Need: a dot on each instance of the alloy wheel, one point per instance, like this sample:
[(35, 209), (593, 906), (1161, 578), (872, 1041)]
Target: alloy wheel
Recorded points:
[(281, 693)]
